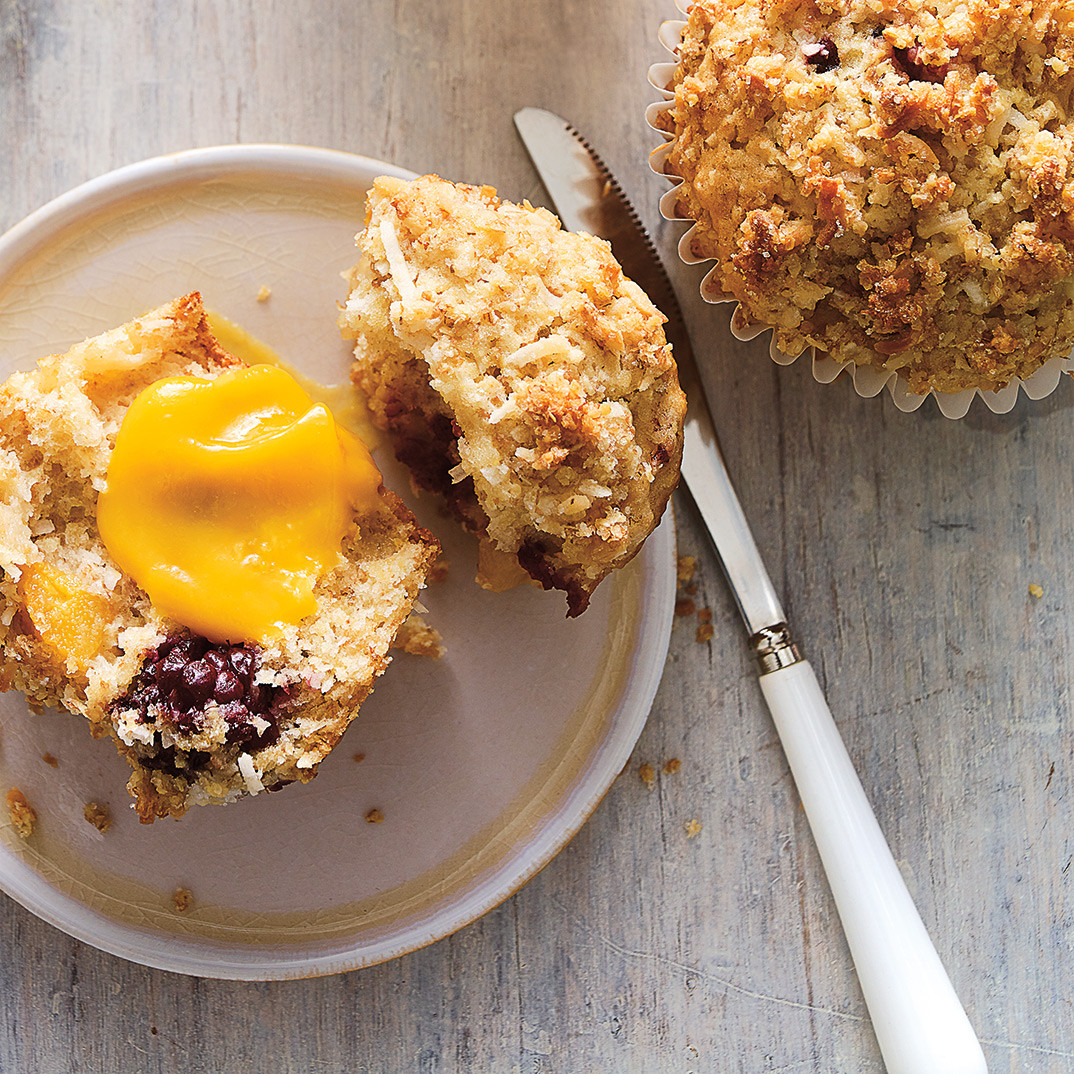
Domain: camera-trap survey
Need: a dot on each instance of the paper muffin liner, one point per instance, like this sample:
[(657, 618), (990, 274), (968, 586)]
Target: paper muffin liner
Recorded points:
[(868, 381)]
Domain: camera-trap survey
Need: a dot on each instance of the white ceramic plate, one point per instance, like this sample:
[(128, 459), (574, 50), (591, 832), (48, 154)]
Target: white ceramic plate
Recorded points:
[(483, 763)]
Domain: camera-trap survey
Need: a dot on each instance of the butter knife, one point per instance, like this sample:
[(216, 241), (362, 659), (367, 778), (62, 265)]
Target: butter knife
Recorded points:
[(919, 1022)]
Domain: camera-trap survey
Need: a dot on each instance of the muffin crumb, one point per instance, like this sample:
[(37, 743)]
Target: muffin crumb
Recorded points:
[(23, 815), (51, 761), (98, 815), (693, 829), (359, 758), (1036, 591), (685, 607), (264, 293), (417, 638), (647, 774), (438, 572), (182, 900), (672, 766), (374, 816), (685, 567)]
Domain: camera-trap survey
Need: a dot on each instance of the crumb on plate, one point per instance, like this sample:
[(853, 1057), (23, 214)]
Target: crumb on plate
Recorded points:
[(98, 815), (417, 638), (23, 815)]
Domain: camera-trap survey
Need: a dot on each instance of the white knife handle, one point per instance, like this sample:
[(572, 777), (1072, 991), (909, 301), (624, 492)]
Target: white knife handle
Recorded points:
[(919, 1022)]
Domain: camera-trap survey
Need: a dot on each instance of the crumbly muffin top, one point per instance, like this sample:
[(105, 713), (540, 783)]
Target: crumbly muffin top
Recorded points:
[(886, 180), (557, 387)]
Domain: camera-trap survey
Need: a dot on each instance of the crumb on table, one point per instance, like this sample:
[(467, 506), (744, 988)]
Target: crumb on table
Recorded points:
[(438, 571), (1036, 591), (685, 567), (264, 293), (23, 815), (705, 632), (647, 774), (98, 815), (359, 758), (374, 816), (672, 766), (693, 828), (685, 607), (182, 900), (50, 760)]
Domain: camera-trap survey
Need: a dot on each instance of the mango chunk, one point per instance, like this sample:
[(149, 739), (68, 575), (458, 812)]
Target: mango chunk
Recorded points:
[(70, 621)]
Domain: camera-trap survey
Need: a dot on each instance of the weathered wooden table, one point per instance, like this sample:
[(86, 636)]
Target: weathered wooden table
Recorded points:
[(903, 545)]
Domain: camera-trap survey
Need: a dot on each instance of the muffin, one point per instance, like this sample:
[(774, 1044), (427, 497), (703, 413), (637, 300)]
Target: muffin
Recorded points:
[(204, 704), (519, 374), (888, 181)]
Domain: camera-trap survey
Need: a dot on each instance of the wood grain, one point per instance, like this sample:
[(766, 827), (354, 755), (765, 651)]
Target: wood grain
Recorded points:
[(903, 545)]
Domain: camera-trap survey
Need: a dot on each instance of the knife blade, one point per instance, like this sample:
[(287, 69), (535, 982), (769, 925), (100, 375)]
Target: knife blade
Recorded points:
[(919, 1022)]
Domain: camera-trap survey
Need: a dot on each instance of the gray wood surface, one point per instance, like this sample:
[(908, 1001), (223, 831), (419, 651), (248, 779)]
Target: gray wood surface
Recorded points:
[(903, 546)]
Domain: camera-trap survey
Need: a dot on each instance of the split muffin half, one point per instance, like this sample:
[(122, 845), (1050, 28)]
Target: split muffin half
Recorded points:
[(520, 375), (195, 558)]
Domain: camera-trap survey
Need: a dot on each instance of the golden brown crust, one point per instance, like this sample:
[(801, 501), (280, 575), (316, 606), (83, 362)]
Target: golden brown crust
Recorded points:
[(519, 373), (57, 427), (889, 181)]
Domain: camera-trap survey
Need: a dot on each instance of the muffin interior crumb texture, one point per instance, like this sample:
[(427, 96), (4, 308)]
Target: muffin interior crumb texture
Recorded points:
[(199, 722), (520, 375), (888, 181)]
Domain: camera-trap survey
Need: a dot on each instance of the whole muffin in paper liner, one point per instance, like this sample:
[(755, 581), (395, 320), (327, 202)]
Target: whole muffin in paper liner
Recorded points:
[(889, 182)]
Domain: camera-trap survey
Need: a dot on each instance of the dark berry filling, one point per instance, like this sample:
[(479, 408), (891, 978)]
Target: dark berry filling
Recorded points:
[(823, 55), (920, 72), (185, 674)]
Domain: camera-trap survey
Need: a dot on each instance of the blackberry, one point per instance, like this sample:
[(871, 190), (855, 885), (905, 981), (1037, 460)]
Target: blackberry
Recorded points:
[(186, 673), (921, 72), (823, 55)]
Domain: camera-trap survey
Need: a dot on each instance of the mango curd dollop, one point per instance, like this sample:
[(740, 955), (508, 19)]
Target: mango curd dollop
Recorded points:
[(227, 498)]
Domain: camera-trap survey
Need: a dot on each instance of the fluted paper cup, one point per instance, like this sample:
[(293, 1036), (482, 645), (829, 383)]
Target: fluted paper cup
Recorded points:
[(867, 380)]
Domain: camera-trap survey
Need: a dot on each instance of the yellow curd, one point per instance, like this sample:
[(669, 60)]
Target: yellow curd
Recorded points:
[(227, 499)]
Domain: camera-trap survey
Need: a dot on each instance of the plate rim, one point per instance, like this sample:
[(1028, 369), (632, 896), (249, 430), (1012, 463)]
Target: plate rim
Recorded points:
[(641, 678)]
